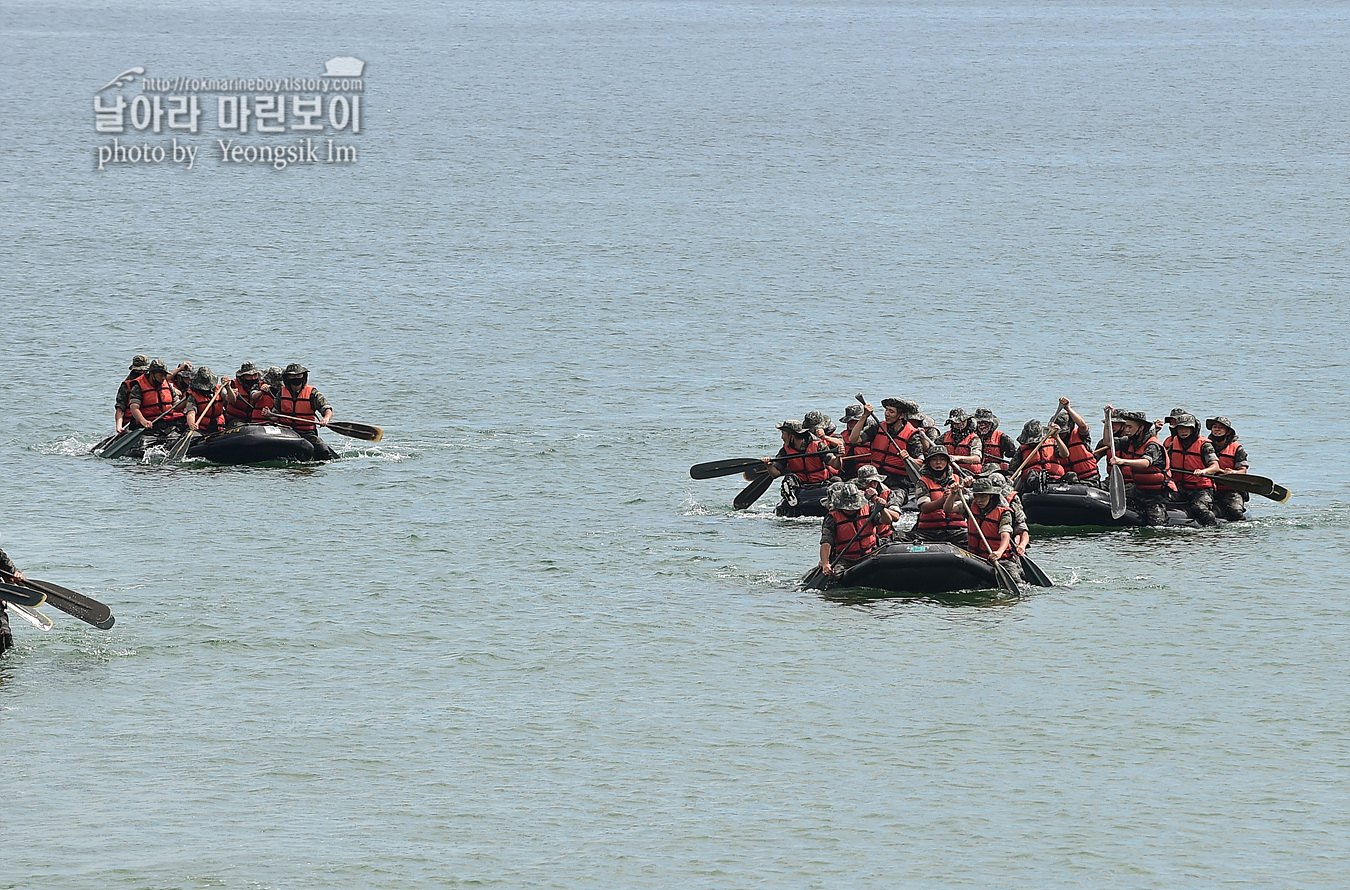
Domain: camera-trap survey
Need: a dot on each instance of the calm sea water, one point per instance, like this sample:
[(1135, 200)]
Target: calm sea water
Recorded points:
[(585, 246)]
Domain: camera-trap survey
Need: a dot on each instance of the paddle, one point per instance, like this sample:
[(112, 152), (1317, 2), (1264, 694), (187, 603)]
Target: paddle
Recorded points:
[(1248, 482), (1115, 479), (77, 605), (733, 465), (129, 439), (752, 492), (351, 430), (180, 450), (124, 443), (32, 616), (13, 594)]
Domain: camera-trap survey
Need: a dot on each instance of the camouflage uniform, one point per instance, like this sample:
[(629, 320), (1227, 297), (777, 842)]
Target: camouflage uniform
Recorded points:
[(1150, 505), (1198, 502), (1229, 504)]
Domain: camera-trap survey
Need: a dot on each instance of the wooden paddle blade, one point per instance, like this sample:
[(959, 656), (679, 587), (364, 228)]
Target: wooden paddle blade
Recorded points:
[(352, 430), (728, 467), (1279, 494), (752, 492), (752, 474), (124, 443), (1116, 489), (15, 595), (77, 605)]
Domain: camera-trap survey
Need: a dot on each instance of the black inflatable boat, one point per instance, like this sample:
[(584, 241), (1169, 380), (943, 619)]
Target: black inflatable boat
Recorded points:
[(1076, 504), (918, 569), (252, 443)]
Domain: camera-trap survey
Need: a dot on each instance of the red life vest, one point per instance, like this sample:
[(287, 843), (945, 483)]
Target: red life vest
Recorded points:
[(1081, 459), (886, 455), (961, 449), (155, 400), (1151, 479), (215, 419), (299, 405), (993, 451), (1044, 458), (241, 408), (938, 520), (1188, 458), (810, 468), (845, 527), (1228, 455), (988, 524)]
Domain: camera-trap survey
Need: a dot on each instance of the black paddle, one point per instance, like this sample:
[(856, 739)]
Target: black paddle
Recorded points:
[(352, 430), (752, 492), (11, 593), (1115, 486), (1248, 482), (77, 605), (733, 465), (131, 438), (180, 450)]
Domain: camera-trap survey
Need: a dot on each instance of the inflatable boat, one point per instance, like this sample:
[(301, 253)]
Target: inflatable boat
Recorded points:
[(917, 569), (1076, 504), (252, 443)]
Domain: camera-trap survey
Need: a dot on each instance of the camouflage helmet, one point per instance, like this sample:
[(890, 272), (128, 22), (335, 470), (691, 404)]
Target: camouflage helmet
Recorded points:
[(247, 369), (157, 364), (792, 427), (203, 380), (956, 418), (1221, 420), (867, 474), (987, 484), (140, 362), (1032, 431), (846, 496), (851, 413)]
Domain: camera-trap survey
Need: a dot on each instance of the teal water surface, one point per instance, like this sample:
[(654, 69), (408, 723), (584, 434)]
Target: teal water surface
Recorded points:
[(585, 246)]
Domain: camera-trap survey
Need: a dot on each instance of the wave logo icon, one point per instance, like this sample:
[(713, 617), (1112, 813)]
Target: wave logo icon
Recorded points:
[(343, 66)]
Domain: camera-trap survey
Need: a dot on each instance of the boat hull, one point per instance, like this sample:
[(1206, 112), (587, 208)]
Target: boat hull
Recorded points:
[(252, 444), (911, 569)]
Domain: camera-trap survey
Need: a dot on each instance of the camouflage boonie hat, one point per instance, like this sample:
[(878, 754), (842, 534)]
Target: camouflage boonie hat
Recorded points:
[(1186, 420), (956, 417), (792, 426), (157, 364), (139, 362), (987, 485), (273, 376), (1033, 431), (1061, 419), (852, 413), (846, 496), (1136, 416), (203, 380), (904, 406), (816, 420), (1117, 415), (1176, 412), (248, 368), (867, 474), (1209, 424), (295, 369)]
